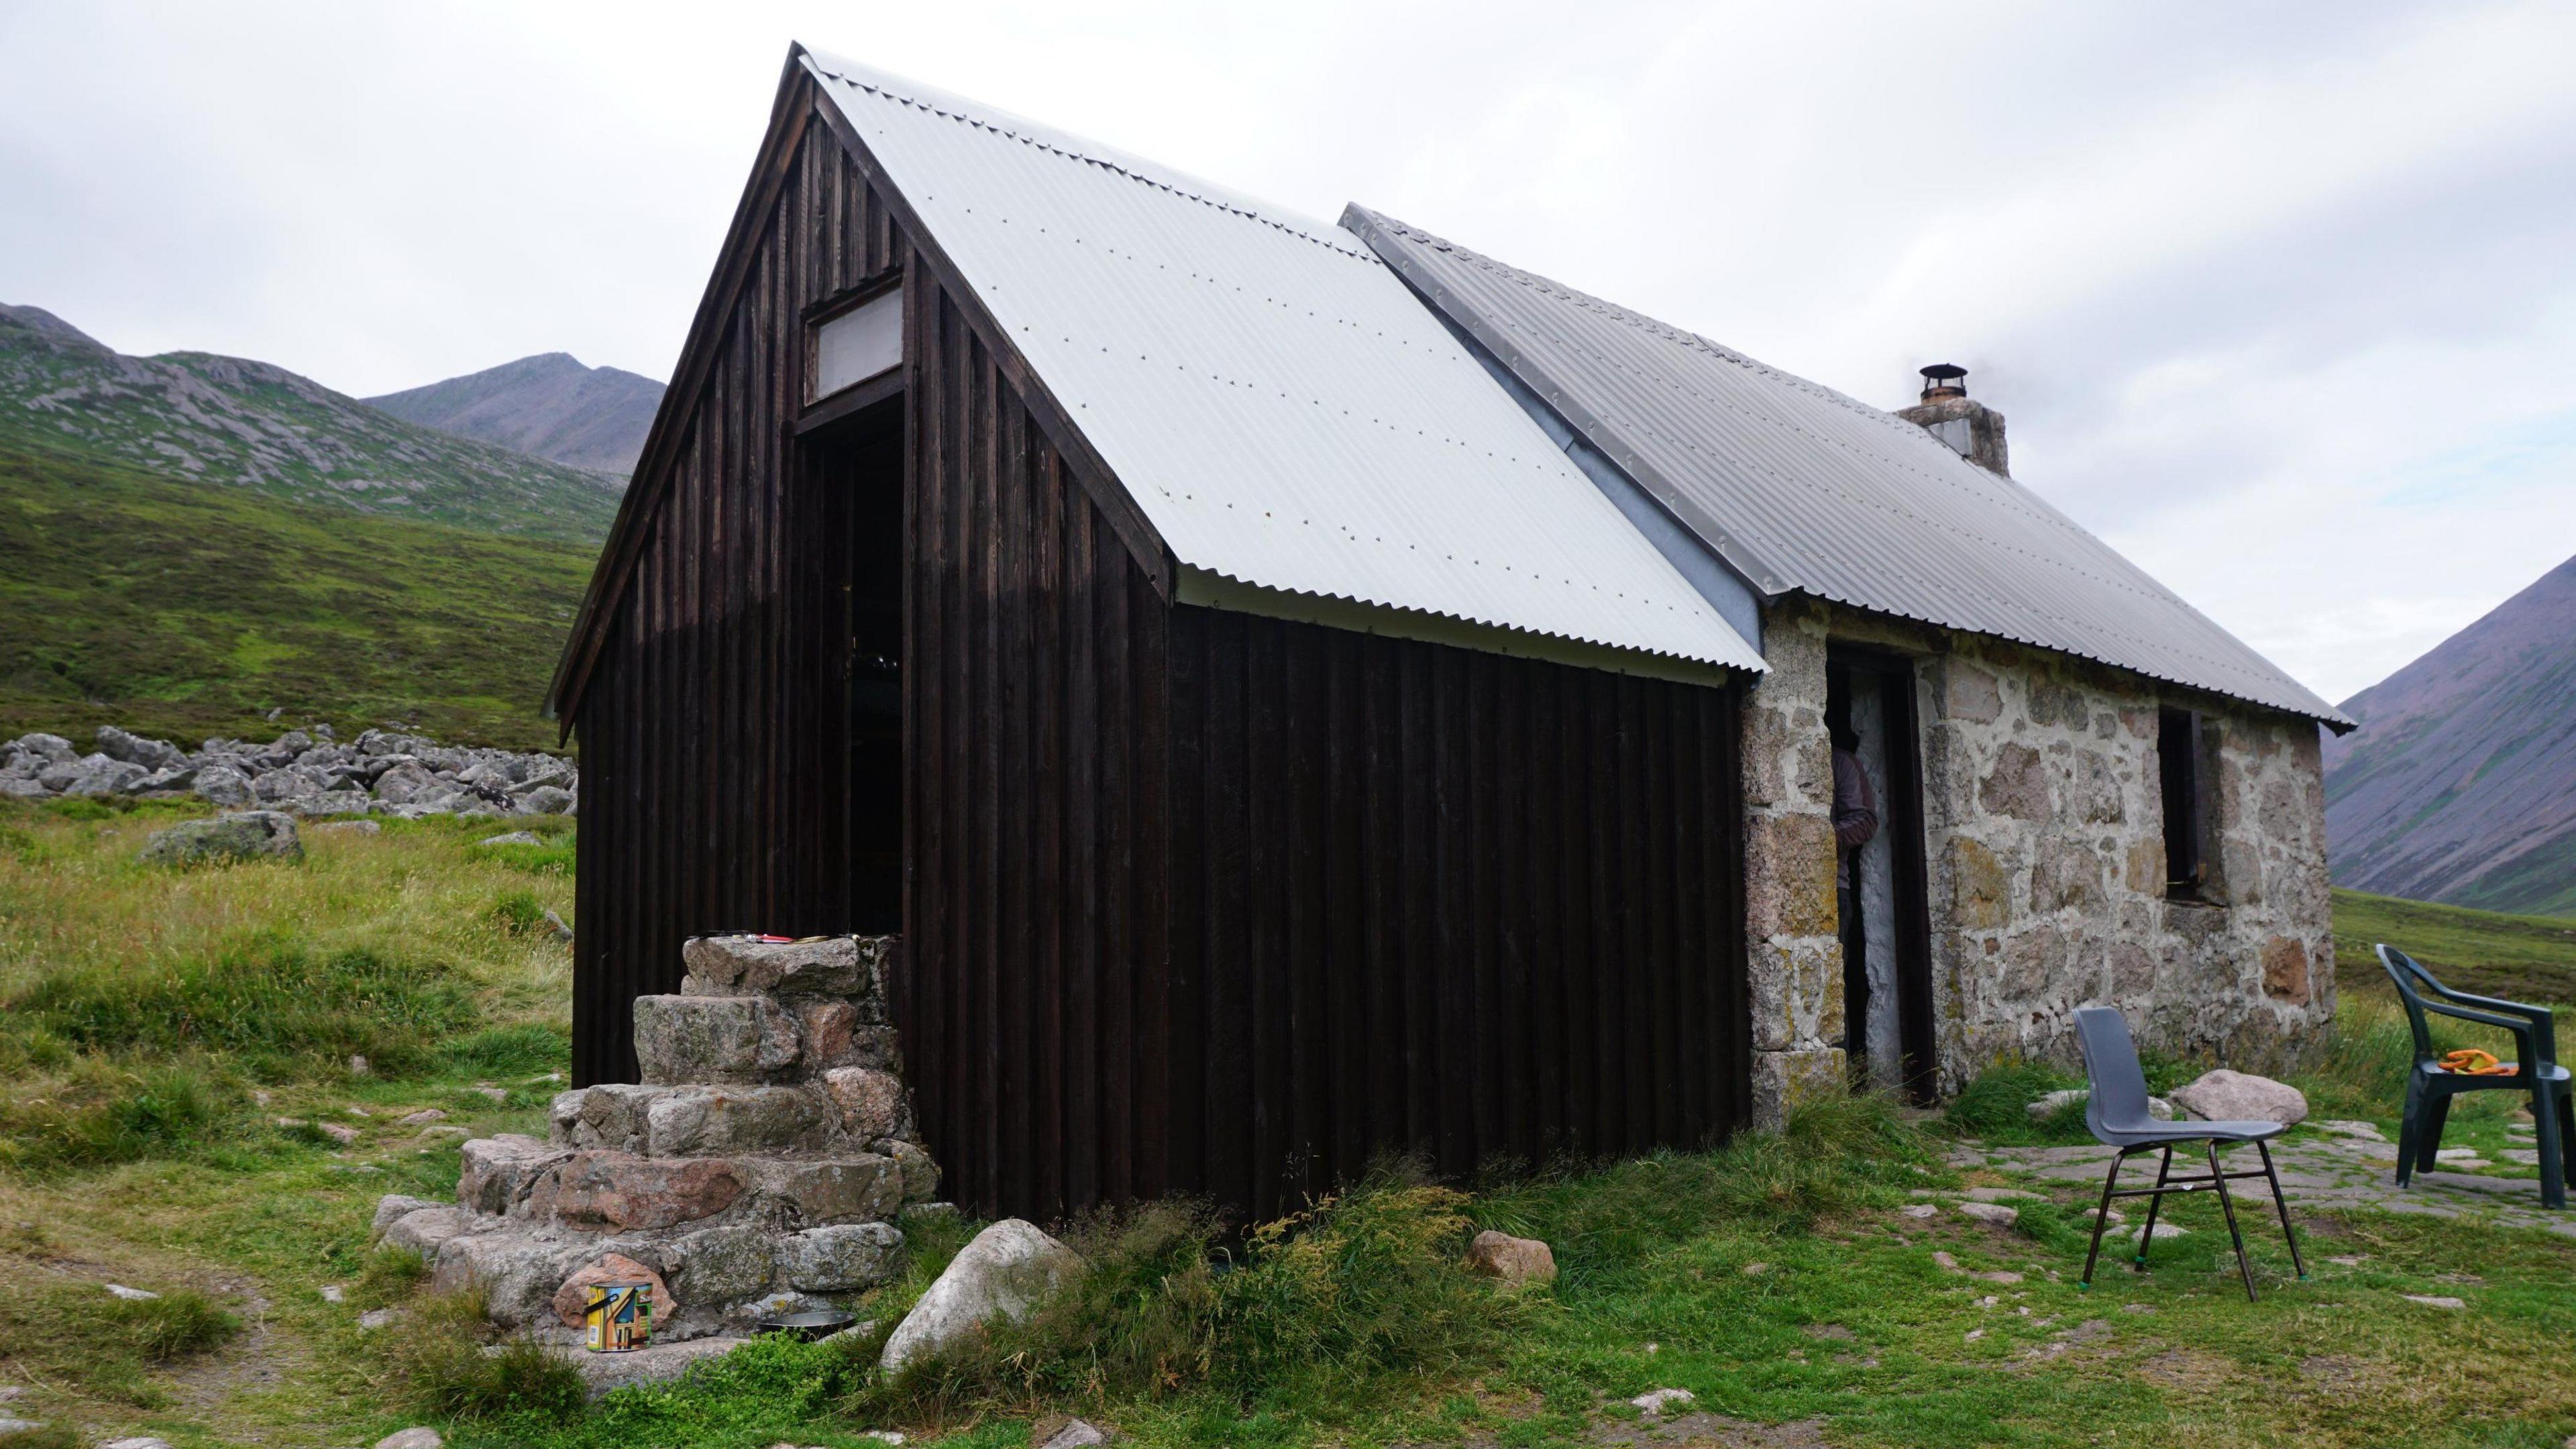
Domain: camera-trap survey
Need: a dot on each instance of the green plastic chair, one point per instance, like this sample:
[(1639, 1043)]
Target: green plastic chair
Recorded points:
[(2429, 1088)]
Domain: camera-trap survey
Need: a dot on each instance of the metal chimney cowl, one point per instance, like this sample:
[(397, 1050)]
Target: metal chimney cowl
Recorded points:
[(1973, 430)]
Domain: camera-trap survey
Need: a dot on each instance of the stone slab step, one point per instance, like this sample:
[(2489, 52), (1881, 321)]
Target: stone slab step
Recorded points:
[(747, 1040), (850, 966), (695, 1121), (716, 1276)]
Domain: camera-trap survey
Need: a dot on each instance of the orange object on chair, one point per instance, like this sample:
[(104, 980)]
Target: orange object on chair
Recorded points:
[(2471, 1062)]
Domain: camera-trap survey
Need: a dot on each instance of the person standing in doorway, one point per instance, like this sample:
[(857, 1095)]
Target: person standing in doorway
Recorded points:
[(1855, 825)]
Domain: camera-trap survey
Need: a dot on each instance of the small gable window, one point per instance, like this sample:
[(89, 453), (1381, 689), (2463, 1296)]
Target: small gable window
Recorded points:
[(2182, 771), (858, 344)]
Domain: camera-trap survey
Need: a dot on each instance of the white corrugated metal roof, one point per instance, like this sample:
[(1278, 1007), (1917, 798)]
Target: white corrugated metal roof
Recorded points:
[(1280, 405)]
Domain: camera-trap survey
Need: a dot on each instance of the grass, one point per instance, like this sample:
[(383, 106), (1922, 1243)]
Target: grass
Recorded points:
[(2525, 958), (189, 610), (158, 1024)]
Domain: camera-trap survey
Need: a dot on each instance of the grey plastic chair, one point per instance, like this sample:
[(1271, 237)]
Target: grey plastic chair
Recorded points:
[(2117, 1113)]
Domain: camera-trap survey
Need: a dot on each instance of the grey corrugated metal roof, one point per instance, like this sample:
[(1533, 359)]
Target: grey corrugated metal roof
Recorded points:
[(1802, 488), (1282, 408)]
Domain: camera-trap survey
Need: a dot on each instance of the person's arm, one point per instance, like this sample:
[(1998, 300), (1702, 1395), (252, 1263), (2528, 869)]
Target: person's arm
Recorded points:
[(1855, 803)]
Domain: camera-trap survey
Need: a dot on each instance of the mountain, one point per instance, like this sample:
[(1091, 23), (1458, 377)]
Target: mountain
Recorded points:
[(2460, 785), (549, 405), (212, 419), (186, 611)]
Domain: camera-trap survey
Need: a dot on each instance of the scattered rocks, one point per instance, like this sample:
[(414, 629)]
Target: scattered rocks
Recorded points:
[(2163, 1231), (334, 1293), (236, 836), (1514, 1260), (300, 773), (132, 1295), (419, 1438), (1070, 1434), (497, 1094), (375, 1318), (513, 837), (2049, 1104), (1656, 1401), (2366, 1131), (349, 827), (423, 1117), (337, 1132), (1993, 1214), (1920, 1210), (140, 1443), (1008, 1269), (2225, 1096), (10, 1425), (2431, 1300)]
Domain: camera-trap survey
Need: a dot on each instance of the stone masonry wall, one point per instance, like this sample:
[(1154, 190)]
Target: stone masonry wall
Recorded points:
[(1795, 960), (2045, 845)]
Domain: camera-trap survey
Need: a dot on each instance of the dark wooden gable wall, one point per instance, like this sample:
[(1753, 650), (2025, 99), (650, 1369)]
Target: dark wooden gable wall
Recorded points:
[(1195, 901), (712, 780)]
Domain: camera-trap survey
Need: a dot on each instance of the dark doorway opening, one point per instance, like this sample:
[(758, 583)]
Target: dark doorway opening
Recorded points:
[(854, 470), (1886, 919)]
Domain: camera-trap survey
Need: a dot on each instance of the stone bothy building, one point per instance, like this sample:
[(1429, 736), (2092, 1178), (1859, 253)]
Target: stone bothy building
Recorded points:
[(1297, 691)]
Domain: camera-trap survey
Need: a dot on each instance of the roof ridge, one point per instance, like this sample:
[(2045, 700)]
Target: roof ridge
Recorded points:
[(1644, 323), (1071, 147)]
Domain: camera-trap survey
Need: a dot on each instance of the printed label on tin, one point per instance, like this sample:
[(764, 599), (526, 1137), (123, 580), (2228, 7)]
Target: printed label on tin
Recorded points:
[(617, 1317)]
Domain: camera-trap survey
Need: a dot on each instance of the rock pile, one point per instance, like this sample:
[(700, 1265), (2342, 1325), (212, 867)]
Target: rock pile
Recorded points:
[(301, 772), (756, 1171)]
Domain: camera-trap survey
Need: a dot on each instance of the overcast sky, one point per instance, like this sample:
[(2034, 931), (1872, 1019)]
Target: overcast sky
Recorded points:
[(2280, 299)]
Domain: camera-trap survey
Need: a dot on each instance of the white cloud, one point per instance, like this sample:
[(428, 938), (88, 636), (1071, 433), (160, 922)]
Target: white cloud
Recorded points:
[(2276, 297)]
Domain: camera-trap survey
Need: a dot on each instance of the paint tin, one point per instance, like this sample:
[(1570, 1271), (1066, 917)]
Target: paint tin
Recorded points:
[(617, 1316)]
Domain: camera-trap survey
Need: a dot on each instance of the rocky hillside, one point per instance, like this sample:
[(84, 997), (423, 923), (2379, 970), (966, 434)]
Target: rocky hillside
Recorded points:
[(212, 419), (300, 772), (549, 405), (2460, 785), (133, 599)]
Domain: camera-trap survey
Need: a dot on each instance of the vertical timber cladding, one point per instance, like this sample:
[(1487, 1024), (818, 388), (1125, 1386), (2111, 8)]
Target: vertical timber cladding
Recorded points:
[(1032, 996), (1466, 906), (713, 792)]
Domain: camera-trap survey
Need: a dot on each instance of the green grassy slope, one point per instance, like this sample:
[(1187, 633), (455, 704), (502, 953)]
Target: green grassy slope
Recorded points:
[(186, 611), (2526, 958), (209, 419)]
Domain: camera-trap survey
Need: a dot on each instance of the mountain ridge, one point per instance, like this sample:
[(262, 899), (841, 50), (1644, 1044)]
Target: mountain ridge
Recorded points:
[(208, 418), (549, 405), (2460, 784)]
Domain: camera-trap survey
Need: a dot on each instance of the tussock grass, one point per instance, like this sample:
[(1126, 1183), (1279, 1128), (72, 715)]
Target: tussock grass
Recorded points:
[(139, 1007), (445, 1360), (1338, 1306), (62, 1328)]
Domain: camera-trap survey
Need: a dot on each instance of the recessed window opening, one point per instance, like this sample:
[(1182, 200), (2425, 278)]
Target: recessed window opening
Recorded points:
[(858, 344), (2184, 778)]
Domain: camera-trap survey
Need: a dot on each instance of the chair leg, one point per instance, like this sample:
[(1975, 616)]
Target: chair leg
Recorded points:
[(2283, 1204), (2567, 1135), (2227, 1205), (2428, 1140), (2547, 1120), (2409, 1126), (2155, 1205), (2101, 1220)]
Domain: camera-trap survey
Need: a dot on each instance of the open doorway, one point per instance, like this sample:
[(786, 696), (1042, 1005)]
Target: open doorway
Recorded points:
[(854, 469), (1885, 918)]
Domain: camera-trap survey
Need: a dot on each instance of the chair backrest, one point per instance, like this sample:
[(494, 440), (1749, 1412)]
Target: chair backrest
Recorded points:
[(2403, 970), (2119, 1096)]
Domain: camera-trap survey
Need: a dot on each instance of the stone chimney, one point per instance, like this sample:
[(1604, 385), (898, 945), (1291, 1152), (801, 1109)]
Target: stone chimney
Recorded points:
[(1972, 429)]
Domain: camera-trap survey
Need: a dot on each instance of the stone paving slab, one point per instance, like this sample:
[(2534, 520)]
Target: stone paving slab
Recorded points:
[(2315, 1172)]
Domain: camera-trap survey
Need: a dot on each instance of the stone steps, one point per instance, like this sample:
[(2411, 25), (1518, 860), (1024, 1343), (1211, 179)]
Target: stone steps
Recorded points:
[(758, 1165)]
